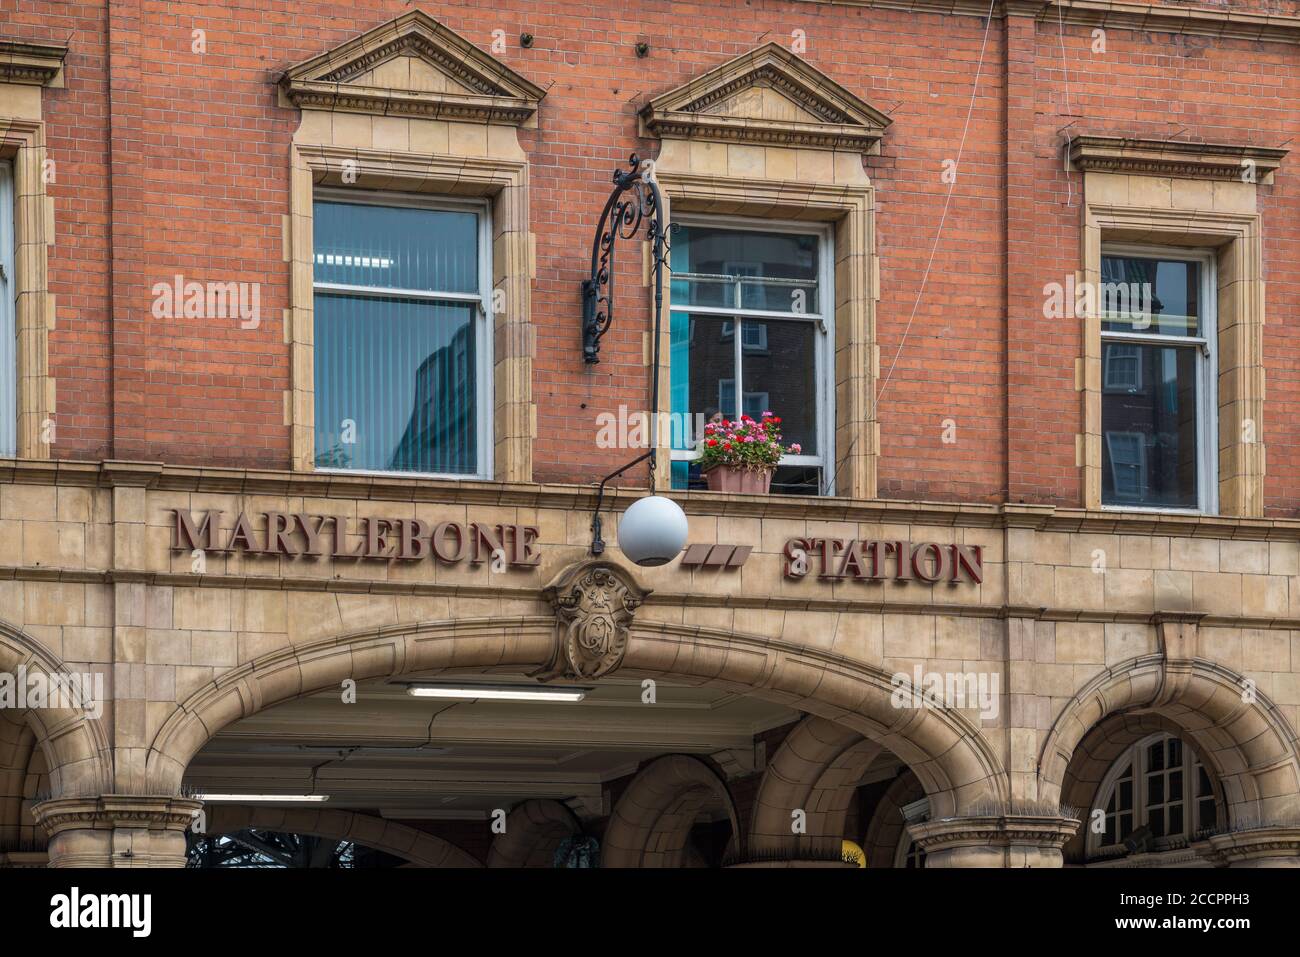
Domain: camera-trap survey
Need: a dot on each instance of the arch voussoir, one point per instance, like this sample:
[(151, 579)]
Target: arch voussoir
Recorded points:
[(1241, 735)]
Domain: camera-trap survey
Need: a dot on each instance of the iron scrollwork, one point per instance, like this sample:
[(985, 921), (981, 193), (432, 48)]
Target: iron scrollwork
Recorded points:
[(634, 201)]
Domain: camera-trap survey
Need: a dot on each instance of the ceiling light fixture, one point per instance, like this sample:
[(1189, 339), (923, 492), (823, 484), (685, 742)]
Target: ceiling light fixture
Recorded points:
[(497, 692), (261, 798)]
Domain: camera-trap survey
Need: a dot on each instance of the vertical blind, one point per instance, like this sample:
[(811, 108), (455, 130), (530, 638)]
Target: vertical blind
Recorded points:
[(396, 338)]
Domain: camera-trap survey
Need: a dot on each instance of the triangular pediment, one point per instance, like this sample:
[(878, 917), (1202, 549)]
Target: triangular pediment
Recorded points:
[(413, 66), (769, 96)]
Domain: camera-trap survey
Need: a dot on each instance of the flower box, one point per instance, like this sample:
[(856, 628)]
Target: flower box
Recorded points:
[(724, 478), (741, 456)]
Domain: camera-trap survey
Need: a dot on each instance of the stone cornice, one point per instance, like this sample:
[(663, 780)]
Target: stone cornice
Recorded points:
[(115, 810), (491, 92), (37, 64), (838, 118), (982, 831), (1253, 845), (1152, 157), (1147, 17), (1047, 518), (316, 95)]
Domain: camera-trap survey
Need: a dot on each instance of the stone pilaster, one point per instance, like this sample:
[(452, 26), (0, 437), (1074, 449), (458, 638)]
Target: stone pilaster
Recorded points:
[(116, 830), (1015, 840)]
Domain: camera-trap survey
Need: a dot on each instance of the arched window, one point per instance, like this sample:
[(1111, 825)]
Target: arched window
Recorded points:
[(909, 854), (1157, 794)]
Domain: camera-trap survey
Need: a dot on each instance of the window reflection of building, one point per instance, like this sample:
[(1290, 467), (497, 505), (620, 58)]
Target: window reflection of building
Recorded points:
[(1157, 379), (440, 434)]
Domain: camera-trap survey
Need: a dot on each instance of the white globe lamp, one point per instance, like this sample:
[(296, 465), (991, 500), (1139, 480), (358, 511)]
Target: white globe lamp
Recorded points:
[(652, 531)]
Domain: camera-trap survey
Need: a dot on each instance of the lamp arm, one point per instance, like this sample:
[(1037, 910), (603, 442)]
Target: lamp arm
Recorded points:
[(598, 543)]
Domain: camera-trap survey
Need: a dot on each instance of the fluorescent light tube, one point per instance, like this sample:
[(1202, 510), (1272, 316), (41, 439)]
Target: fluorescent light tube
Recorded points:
[(264, 798), (498, 693)]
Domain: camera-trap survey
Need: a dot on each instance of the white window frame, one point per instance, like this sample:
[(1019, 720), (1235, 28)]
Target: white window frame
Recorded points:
[(8, 316), (483, 316), (824, 334), (1110, 383), (1207, 379), (1140, 441), (1136, 755)]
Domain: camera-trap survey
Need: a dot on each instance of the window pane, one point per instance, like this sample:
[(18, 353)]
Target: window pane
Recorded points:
[(1209, 814), (797, 480), (780, 376), (737, 254), (1160, 296), (1156, 756), (1156, 821), (396, 247), (1126, 795), (1176, 819), (1149, 429), (707, 364), (1156, 789), (1175, 752), (395, 385), (1202, 782)]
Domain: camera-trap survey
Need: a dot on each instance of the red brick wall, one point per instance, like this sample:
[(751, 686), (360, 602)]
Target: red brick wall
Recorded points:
[(199, 150)]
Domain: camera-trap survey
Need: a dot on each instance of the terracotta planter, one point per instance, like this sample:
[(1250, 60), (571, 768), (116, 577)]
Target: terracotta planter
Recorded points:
[(726, 479)]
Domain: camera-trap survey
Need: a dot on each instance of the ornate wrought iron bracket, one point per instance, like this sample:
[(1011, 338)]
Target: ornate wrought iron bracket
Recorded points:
[(635, 200)]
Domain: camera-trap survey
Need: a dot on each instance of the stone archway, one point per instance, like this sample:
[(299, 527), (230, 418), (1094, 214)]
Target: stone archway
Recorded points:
[(815, 771), (652, 821), (590, 635), (414, 846), (534, 832), (17, 747), (888, 826), (952, 759), (1238, 733), (73, 741)]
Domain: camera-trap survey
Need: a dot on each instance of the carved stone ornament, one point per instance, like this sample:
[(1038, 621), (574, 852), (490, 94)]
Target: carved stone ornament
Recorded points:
[(594, 603), (769, 97), (1152, 157), (413, 66), (115, 810), (35, 64)]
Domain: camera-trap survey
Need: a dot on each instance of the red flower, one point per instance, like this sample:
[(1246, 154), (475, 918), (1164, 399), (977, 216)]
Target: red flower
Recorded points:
[(713, 441)]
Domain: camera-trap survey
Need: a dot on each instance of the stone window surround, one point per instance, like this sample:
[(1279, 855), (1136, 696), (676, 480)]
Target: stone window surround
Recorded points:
[(25, 68), (399, 133), (768, 136), (849, 208), (1200, 203), (503, 182)]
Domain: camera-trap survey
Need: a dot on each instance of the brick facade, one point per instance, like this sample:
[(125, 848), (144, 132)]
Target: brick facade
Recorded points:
[(197, 145), (964, 418)]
